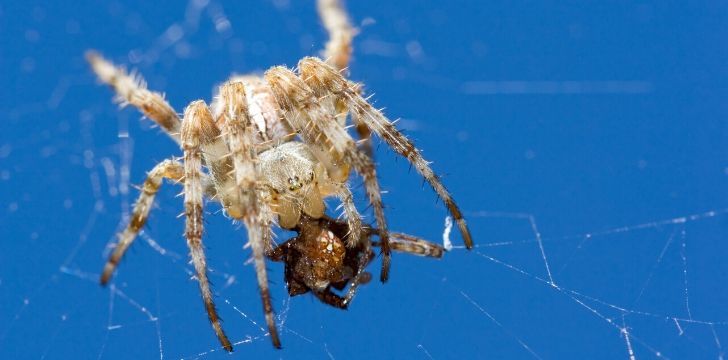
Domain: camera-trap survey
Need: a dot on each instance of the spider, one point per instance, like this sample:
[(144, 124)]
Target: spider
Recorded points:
[(318, 259), (270, 149)]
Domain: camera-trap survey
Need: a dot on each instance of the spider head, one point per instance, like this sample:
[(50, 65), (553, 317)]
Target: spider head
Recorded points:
[(292, 174)]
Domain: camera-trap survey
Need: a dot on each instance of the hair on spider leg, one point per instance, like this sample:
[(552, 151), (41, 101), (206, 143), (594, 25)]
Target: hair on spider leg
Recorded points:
[(319, 261)]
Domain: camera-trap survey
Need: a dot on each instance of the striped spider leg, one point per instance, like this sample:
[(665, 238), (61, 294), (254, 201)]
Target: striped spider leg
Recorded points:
[(327, 83), (131, 89), (168, 169), (198, 129)]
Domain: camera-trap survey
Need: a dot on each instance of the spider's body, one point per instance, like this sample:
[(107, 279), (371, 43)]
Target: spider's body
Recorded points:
[(270, 149)]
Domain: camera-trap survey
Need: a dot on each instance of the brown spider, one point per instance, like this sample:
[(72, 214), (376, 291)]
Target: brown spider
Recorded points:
[(269, 149), (318, 259)]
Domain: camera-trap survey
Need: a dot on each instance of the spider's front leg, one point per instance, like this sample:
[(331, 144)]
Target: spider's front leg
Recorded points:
[(243, 198), (131, 89), (167, 169), (196, 119), (336, 21), (338, 54), (326, 83)]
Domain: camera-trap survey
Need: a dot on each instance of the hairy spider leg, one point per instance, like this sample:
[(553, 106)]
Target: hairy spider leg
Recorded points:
[(326, 82), (195, 115), (238, 131), (132, 89), (167, 169)]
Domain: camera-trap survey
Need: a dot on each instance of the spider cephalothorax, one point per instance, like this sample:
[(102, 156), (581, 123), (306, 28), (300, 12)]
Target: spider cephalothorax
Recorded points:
[(318, 260), (294, 180), (270, 149)]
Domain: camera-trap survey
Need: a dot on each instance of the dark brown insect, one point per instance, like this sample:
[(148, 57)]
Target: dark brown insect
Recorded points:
[(318, 259)]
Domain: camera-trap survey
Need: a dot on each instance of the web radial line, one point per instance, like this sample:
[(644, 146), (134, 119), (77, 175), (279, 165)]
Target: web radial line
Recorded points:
[(574, 296), (132, 302), (650, 225), (532, 220), (424, 350), (109, 327), (158, 325), (87, 227), (717, 342), (684, 257), (654, 268), (626, 335), (262, 329), (26, 302), (247, 340), (680, 330), (57, 330), (621, 330), (511, 334), (126, 147), (643, 313), (328, 353)]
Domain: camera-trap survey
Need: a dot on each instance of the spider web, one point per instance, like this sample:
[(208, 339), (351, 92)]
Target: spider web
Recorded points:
[(598, 206)]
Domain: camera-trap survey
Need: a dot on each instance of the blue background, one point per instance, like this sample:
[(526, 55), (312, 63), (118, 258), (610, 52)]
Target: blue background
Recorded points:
[(600, 126)]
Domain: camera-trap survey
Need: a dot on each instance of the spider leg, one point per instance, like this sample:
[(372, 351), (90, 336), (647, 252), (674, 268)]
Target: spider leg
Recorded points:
[(336, 21), (398, 242), (338, 54), (238, 130), (313, 117), (279, 253), (329, 297), (360, 277), (413, 245), (365, 136), (197, 114), (167, 169), (326, 81), (353, 219), (365, 278), (131, 89)]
